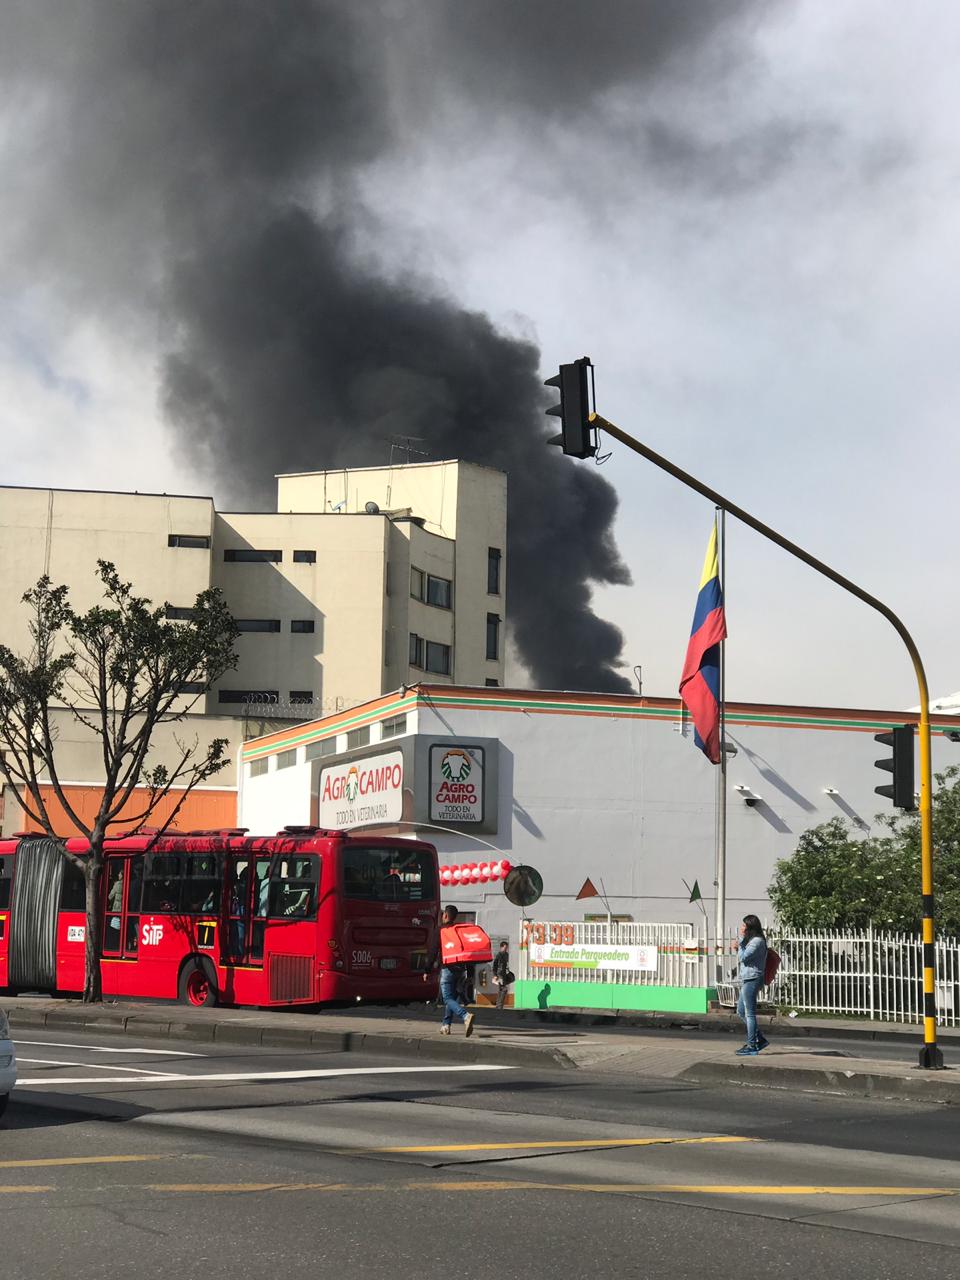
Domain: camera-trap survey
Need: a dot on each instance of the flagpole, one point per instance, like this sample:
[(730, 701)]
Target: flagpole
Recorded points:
[(721, 851)]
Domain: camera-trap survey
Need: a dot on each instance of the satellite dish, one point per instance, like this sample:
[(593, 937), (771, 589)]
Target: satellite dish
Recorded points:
[(372, 509), (523, 886)]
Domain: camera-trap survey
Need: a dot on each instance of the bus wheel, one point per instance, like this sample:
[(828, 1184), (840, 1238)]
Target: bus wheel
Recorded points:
[(196, 985)]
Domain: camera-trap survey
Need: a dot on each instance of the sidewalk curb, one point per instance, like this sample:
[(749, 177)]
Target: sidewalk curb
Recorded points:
[(934, 1087), (722, 1024), (247, 1031)]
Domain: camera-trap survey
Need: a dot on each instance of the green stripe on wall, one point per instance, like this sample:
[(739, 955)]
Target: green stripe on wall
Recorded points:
[(659, 713), (414, 700), (295, 739)]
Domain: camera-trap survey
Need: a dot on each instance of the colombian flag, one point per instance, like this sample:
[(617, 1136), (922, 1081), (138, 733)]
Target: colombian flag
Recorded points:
[(700, 682)]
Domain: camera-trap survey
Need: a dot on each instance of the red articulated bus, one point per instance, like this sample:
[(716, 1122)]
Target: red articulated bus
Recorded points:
[(218, 917)]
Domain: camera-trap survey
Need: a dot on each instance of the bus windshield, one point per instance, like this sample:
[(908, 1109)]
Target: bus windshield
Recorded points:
[(387, 875)]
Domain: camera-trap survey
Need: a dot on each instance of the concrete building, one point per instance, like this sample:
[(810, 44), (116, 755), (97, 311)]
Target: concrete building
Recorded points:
[(608, 787), (359, 582)]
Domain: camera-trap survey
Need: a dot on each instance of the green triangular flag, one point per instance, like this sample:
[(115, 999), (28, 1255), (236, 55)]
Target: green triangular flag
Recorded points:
[(695, 894)]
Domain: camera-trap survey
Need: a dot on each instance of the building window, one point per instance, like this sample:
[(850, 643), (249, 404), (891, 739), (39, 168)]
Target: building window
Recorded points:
[(196, 540), (392, 728), (176, 614), (439, 592), (493, 636), (303, 626), (358, 737), (438, 658), (258, 624), (259, 767), (287, 759), (191, 686), (247, 555), (225, 696), (417, 579), (491, 683), (325, 747), (304, 557), (301, 697), (416, 650), (493, 571)]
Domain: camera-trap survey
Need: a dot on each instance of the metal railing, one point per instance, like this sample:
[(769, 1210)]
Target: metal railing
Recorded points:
[(676, 955), (861, 974)]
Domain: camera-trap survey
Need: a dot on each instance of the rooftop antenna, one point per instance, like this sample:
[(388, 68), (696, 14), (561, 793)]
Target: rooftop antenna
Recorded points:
[(400, 445)]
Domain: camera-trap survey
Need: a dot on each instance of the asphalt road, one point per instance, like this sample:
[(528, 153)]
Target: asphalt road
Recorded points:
[(159, 1159)]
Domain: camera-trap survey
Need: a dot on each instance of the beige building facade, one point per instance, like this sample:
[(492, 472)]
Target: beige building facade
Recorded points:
[(361, 582)]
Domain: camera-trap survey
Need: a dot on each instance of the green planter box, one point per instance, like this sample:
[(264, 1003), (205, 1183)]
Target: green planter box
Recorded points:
[(602, 995)]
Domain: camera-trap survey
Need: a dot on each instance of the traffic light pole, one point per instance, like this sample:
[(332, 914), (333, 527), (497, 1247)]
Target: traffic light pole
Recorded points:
[(931, 1058)]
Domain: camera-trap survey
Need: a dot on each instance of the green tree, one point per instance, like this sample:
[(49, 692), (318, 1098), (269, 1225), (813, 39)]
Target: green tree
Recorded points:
[(836, 879), (119, 670)]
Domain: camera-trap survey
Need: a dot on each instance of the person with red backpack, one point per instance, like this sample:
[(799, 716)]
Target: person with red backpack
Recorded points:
[(452, 974), (752, 954)]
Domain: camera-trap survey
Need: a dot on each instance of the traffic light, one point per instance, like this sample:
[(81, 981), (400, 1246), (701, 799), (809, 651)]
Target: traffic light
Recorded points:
[(900, 764), (573, 409)]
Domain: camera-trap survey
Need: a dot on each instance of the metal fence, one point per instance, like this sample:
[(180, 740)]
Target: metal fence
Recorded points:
[(550, 952), (866, 975)]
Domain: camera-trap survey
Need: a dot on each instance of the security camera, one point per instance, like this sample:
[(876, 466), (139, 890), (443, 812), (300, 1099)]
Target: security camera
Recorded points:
[(751, 801), (954, 735)]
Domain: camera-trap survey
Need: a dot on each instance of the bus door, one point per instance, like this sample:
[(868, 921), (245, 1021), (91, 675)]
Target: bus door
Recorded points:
[(248, 896), (123, 888)]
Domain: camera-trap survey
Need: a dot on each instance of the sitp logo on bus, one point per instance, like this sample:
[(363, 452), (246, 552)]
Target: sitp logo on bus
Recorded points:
[(456, 767)]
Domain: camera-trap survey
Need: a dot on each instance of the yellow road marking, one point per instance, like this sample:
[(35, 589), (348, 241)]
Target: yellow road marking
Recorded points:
[(239, 1188), (720, 1190), (13, 1191), (639, 1188), (38, 1164), (535, 1146)]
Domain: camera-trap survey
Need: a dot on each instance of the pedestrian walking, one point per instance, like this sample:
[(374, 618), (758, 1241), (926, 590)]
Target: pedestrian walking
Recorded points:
[(501, 973), (752, 954), (452, 974)]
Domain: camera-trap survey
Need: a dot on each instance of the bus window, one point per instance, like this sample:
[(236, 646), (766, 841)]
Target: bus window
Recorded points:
[(111, 924), (6, 865), (237, 887), (261, 887), (387, 875), (134, 894), (295, 888), (73, 891), (261, 901), (201, 885), (161, 886)]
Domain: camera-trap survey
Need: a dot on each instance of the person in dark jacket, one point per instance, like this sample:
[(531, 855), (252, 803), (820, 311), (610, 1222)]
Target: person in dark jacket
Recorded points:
[(752, 954), (501, 973)]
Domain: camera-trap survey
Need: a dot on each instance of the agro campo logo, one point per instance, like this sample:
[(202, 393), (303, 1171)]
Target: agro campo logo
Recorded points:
[(455, 765), (351, 787)]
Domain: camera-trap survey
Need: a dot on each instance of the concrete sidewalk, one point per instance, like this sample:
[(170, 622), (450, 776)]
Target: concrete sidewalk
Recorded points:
[(524, 1042)]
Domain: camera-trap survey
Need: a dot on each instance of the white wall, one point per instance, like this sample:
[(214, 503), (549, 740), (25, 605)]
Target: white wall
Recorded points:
[(632, 802)]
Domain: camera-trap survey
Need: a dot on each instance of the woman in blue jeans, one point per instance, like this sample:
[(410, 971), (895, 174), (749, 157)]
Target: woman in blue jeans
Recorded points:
[(752, 953)]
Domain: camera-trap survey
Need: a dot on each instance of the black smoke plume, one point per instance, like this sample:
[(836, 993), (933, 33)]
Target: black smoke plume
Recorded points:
[(214, 146)]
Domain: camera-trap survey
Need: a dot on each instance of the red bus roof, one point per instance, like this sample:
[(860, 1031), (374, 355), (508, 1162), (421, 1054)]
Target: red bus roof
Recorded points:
[(233, 839)]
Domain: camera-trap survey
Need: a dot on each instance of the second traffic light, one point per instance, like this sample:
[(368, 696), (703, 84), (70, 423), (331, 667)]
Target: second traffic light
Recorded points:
[(576, 434), (900, 764)]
